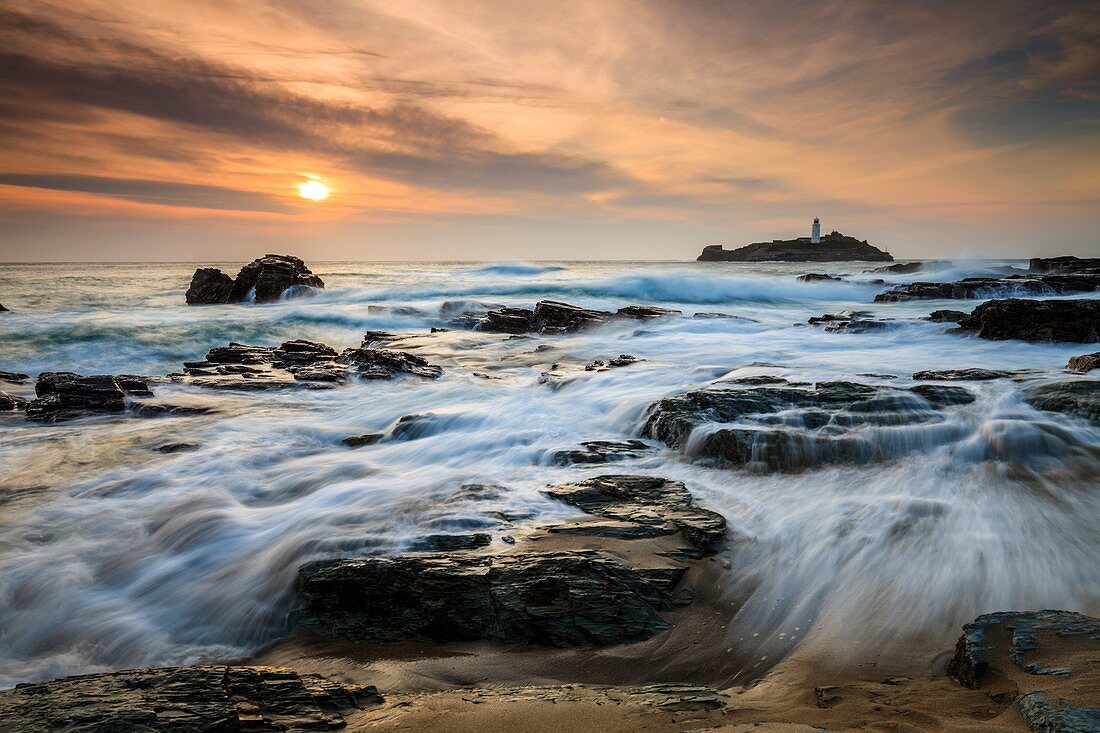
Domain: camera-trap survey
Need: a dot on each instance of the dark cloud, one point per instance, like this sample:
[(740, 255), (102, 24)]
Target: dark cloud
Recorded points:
[(164, 193)]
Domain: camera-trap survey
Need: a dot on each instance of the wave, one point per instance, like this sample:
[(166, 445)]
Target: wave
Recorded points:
[(516, 268)]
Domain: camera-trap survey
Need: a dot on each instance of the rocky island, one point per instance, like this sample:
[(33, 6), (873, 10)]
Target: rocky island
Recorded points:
[(832, 247)]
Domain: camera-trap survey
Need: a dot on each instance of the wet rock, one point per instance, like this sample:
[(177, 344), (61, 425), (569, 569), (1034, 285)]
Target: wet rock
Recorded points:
[(812, 277), (270, 276), (1075, 321), (177, 447), (358, 441), (451, 542), (237, 353), (554, 317), (993, 287), (648, 501), (645, 312), (509, 320), (301, 352), (967, 375), (184, 700), (908, 268), (209, 286), (849, 322), (14, 377), (1079, 397), (3, 309), (600, 451), (388, 363), (709, 315), (940, 395), (947, 316), (8, 402), (620, 361), (65, 395), (373, 338), (1064, 264), (395, 310), (1084, 362), (558, 599)]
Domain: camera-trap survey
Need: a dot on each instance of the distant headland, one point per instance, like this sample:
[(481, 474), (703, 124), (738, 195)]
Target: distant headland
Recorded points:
[(832, 247)]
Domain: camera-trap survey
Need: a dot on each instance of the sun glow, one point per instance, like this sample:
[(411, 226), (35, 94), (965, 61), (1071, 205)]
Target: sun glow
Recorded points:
[(313, 190)]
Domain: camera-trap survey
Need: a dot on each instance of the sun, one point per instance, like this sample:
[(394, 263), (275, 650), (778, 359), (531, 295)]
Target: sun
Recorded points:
[(313, 190)]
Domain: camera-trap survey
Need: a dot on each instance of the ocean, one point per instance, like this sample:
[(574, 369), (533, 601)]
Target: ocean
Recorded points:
[(114, 555)]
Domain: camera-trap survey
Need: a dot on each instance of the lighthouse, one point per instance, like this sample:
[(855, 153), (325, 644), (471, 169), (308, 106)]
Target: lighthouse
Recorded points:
[(815, 232)]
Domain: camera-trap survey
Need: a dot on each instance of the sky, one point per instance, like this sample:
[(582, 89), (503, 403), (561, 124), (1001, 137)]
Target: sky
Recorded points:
[(618, 129)]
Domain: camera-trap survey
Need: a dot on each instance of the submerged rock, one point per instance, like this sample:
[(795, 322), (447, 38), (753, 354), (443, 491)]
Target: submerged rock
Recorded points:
[(263, 280), (1084, 362), (451, 542), (812, 277), (908, 268), (558, 599), (209, 286), (648, 501), (553, 317), (947, 316), (850, 322), (14, 377), (358, 441), (1036, 320), (184, 700), (646, 312), (967, 375), (600, 451), (993, 287), (1078, 397)]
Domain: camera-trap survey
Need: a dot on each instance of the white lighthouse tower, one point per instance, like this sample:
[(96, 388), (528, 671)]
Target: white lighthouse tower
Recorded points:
[(815, 232)]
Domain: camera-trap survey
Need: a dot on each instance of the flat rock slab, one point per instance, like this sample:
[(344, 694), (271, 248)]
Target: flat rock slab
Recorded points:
[(650, 502), (600, 451), (1051, 659), (184, 700), (1076, 397), (968, 375), (562, 599)]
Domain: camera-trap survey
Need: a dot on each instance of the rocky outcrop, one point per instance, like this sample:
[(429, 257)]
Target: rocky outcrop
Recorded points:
[(967, 375), (263, 280), (1076, 321), (1084, 362), (850, 322), (1014, 286), (550, 598), (656, 505), (812, 277), (600, 451), (1046, 660), (65, 395), (553, 317), (8, 402), (184, 700), (1078, 397), (388, 363), (1068, 263), (646, 312), (947, 316), (834, 247), (780, 425)]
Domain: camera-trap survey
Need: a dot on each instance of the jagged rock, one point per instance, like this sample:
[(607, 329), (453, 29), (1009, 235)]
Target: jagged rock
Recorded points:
[(387, 363), (967, 375), (9, 402), (1068, 263), (850, 322), (947, 316), (268, 277), (648, 501), (301, 352), (14, 377), (646, 312), (209, 286), (550, 598), (554, 317), (811, 277), (600, 451), (992, 287), (65, 395), (1036, 320), (358, 441), (451, 542), (1084, 362), (788, 426), (908, 268), (620, 361), (509, 320), (184, 700), (1047, 657), (3, 309), (1079, 397), (237, 353), (834, 247)]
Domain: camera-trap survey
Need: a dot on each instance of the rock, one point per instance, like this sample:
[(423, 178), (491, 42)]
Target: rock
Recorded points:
[(1063, 264), (209, 286), (1036, 320), (387, 363), (8, 402), (3, 309), (600, 451), (850, 322), (184, 700), (648, 501), (708, 315), (176, 447), (788, 426), (237, 353), (817, 277), (834, 247), (1084, 362), (1079, 397), (968, 375), (358, 441), (65, 395), (947, 316), (301, 352), (558, 599), (268, 277), (991, 287), (1048, 658), (908, 268), (14, 377), (509, 320), (451, 542), (620, 361), (554, 317), (646, 312)]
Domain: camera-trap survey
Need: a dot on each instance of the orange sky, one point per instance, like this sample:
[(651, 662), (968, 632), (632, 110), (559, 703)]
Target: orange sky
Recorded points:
[(533, 130)]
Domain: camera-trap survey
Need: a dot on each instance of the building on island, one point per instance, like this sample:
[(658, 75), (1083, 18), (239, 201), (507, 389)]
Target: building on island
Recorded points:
[(815, 235)]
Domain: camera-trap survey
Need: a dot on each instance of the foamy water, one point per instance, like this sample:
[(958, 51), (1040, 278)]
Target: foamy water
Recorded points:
[(113, 555)]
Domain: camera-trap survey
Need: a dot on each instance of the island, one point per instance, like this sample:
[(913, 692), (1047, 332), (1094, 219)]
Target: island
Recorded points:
[(833, 247)]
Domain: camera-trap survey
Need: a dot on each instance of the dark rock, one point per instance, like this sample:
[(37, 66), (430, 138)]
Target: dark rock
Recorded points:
[(850, 322), (184, 700), (554, 599), (451, 542), (947, 316), (1063, 264), (648, 501), (14, 377), (1084, 362), (396, 310), (817, 277), (176, 447), (908, 268), (940, 395), (620, 361), (708, 315), (509, 320), (1079, 397), (237, 353), (358, 441), (1036, 320), (967, 375), (387, 363), (209, 286), (600, 451), (3, 309), (301, 352), (270, 276), (834, 247), (65, 395), (991, 287), (554, 317), (646, 312), (9, 402), (372, 338)]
